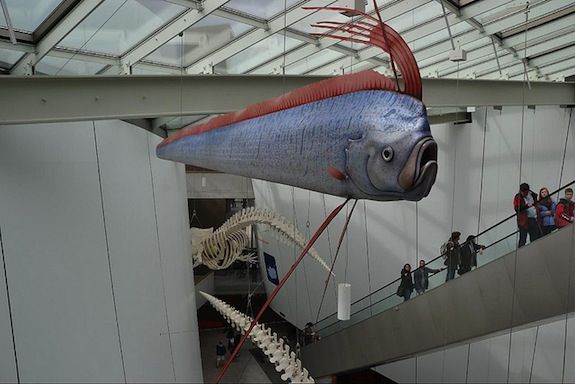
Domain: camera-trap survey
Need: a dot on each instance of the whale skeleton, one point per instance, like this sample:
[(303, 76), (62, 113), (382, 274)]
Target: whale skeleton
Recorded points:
[(273, 346), (220, 248)]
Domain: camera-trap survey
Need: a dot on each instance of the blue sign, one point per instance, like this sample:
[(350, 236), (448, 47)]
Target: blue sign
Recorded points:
[(271, 268)]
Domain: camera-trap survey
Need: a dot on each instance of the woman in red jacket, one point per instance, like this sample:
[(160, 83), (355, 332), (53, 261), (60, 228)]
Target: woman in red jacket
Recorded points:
[(564, 210)]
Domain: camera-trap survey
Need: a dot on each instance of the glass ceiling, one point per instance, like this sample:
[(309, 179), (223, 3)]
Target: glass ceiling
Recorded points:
[(247, 36), (27, 15), (117, 25), (264, 9), (207, 35)]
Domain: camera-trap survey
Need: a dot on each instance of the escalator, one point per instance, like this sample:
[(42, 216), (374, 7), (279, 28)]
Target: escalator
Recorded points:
[(509, 288)]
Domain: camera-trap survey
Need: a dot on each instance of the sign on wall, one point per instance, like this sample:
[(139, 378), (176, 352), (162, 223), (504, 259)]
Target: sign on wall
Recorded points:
[(271, 268)]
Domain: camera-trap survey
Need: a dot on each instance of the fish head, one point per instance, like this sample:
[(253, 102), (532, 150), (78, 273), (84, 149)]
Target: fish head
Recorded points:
[(395, 158)]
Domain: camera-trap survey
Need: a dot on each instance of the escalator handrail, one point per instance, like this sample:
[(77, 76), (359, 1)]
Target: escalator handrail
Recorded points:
[(443, 254)]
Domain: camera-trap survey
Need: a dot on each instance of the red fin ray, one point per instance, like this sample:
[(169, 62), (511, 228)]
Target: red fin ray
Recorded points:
[(380, 35)]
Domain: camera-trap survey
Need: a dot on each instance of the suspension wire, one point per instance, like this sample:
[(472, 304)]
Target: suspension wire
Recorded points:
[(295, 258), (478, 219), (452, 215), (274, 293), (367, 258), (329, 243), (90, 38), (385, 42), (341, 236), (307, 236), (565, 148), (346, 246), (533, 356), (512, 306), (416, 235), (482, 171), (567, 312)]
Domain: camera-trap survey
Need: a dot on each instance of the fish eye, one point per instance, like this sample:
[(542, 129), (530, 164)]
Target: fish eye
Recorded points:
[(387, 154)]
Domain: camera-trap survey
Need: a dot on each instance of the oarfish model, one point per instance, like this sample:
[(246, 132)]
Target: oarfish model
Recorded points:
[(356, 135)]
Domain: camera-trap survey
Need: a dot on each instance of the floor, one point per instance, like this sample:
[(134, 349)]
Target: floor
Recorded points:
[(244, 369)]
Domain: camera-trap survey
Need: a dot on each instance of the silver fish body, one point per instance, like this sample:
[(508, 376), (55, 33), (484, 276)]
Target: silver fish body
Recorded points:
[(365, 145)]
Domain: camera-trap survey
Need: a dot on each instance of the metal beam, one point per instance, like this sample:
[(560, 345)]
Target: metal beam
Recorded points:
[(278, 24), (26, 99), (92, 58), (59, 32)]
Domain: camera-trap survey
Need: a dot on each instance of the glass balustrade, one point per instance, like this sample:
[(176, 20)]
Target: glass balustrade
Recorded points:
[(497, 240)]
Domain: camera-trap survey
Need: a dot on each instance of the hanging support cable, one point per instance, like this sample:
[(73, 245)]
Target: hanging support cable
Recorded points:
[(341, 236), (496, 55), (385, 41), (448, 26)]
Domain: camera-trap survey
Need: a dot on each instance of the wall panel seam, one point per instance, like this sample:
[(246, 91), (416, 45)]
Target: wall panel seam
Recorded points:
[(9, 306), (160, 256), (108, 250)]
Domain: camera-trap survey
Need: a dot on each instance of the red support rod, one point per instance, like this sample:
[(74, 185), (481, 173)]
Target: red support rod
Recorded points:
[(274, 293)]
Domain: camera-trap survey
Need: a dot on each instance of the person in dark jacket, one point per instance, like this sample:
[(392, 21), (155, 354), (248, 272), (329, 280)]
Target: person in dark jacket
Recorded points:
[(220, 353), (565, 210), (406, 285), (452, 257), (546, 212), (468, 253), (524, 205), (421, 277)]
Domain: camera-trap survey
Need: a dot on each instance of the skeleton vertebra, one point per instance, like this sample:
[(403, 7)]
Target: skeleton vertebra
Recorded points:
[(218, 250), (273, 347)]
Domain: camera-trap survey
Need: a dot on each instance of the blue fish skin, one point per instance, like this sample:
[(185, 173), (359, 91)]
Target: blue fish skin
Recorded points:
[(297, 146)]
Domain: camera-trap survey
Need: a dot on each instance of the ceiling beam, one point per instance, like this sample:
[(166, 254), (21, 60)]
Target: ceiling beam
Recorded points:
[(55, 35), (35, 99)]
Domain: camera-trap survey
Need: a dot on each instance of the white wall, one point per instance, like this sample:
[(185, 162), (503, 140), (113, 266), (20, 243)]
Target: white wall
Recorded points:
[(534, 354), (472, 192), (94, 233)]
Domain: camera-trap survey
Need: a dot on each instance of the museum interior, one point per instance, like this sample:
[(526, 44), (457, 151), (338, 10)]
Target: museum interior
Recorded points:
[(268, 191)]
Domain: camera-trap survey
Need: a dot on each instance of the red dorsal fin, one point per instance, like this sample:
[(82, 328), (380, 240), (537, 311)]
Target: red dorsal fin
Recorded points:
[(335, 86), (374, 32)]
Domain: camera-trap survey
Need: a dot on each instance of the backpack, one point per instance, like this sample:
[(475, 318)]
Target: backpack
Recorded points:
[(444, 250)]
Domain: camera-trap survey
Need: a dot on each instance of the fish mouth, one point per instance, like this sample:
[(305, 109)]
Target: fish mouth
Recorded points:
[(420, 170)]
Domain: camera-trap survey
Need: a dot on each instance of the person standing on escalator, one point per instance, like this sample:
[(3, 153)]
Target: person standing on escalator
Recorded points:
[(524, 205), (421, 277), (451, 253), (406, 285), (565, 209), (468, 253)]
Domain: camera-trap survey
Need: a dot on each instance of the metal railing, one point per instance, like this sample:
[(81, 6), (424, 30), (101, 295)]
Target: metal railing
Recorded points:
[(386, 297)]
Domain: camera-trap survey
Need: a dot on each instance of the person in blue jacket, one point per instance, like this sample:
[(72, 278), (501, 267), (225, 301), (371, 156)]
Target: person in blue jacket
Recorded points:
[(421, 277), (546, 212)]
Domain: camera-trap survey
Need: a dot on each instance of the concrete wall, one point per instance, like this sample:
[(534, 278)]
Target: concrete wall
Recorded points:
[(479, 173), (538, 354), (95, 248)]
